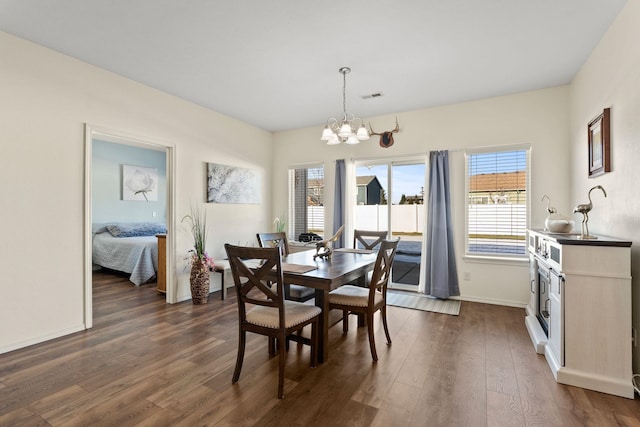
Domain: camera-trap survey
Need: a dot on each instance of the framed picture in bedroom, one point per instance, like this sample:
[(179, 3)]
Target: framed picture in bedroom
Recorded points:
[(230, 184), (599, 137), (139, 183)]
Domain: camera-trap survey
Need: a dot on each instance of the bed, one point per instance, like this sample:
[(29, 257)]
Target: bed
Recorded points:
[(128, 247)]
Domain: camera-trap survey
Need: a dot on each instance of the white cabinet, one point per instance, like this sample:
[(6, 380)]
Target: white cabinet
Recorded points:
[(586, 310), (556, 318)]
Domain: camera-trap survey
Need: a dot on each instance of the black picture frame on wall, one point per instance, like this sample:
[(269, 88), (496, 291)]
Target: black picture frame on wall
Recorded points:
[(599, 138)]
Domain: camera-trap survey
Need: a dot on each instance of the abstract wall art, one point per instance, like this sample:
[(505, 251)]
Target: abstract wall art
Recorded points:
[(230, 184)]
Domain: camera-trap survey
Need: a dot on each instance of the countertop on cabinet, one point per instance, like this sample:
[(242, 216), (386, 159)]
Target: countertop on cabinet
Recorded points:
[(574, 239)]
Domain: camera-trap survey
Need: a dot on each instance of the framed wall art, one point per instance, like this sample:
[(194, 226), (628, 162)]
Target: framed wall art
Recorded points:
[(139, 183), (599, 138), (230, 184)]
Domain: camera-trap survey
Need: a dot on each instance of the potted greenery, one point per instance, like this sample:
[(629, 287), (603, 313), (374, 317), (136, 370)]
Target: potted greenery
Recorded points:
[(200, 261)]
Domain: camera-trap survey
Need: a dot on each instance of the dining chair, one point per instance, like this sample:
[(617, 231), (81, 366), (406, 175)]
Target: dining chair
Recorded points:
[(360, 236), (367, 300), (292, 292), (264, 311), (368, 240)]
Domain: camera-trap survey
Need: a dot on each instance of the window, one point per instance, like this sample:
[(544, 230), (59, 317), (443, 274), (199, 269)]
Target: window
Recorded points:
[(306, 201), (497, 200)]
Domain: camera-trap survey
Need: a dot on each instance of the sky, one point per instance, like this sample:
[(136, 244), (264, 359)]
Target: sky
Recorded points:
[(407, 179)]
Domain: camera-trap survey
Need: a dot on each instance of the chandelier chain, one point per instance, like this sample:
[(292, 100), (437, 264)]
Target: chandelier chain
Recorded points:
[(344, 93)]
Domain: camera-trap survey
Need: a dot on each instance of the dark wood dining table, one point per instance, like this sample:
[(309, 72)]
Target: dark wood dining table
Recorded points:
[(343, 267)]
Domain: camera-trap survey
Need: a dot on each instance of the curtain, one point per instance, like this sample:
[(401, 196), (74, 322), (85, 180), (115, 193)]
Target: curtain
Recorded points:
[(440, 267), (339, 202)]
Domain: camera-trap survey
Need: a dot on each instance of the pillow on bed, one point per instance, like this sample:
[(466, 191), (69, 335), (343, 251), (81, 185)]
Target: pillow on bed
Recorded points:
[(98, 228), (136, 229)]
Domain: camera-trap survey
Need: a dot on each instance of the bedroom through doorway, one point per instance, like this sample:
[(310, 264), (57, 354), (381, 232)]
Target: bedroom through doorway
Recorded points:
[(128, 182)]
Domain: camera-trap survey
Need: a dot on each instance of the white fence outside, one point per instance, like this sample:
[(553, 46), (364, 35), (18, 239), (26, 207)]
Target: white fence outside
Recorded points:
[(503, 219)]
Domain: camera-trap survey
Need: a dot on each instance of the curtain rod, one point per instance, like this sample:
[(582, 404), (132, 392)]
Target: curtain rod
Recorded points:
[(451, 150)]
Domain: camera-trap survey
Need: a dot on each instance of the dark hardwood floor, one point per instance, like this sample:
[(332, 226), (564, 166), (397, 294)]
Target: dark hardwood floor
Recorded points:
[(146, 363)]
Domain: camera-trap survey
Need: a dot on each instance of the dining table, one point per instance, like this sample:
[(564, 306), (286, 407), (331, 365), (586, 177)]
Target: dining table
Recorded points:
[(324, 275)]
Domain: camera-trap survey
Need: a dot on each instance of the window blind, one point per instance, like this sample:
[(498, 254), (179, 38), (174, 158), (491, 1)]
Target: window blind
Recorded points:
[(497, 201), (306, 201)]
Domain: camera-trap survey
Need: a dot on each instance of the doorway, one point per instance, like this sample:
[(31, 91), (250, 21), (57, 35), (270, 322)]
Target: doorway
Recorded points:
[(100, 137), (390, 196)]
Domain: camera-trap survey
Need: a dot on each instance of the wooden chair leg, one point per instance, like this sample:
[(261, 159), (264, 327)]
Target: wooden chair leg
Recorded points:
[(281, 364), (241, 344), (383, 312), (272, 346), (345, 321), (314, 344), (372, 342)]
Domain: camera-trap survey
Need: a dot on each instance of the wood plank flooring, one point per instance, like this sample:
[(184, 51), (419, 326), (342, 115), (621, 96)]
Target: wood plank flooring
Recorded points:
[(146, 363)]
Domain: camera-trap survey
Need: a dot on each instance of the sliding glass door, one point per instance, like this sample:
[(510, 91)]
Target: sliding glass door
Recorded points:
[(390, 196)]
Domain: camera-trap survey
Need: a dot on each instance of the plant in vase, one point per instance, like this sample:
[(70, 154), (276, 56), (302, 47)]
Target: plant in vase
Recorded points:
[(199, 259), (280, 223)]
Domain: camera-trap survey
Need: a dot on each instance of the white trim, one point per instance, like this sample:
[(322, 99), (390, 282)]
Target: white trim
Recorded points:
[(492, 301), (120, 137), (500, 148), (42, 338), (390, 162), (310, 165)]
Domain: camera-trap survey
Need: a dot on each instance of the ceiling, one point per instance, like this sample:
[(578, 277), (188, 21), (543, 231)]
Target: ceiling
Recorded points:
[(274, 64)]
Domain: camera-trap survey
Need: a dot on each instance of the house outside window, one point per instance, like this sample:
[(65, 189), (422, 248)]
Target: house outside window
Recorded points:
[(306, 201), (497, 203), (370, 191)]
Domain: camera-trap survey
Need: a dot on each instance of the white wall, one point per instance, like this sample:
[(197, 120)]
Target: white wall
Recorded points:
[(46, 100), (539, 118), (611, 78)]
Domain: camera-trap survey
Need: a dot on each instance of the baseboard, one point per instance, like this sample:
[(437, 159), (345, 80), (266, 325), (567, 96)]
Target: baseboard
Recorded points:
[(537, 335), (41, 339), (615, 386), (492, 301)]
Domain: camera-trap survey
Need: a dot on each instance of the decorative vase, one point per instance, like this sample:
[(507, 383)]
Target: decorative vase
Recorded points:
[(199, 280)]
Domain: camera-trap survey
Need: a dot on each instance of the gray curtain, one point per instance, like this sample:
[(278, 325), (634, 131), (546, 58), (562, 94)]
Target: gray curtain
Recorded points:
[(441, 271), (339, 202)]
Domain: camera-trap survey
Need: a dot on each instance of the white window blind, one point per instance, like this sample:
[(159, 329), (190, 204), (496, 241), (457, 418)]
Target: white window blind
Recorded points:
[(306, 201), (497, 199)]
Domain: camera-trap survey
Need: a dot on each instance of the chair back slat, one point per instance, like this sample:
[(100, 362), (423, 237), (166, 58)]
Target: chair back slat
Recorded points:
[(382, 268), (250, 267), (361, 236), (270, 240)]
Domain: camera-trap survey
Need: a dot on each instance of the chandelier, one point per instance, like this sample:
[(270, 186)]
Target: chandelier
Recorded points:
[(337, 131)]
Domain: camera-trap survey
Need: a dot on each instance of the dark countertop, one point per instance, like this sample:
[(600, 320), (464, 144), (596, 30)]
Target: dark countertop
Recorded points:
[(574, 239)]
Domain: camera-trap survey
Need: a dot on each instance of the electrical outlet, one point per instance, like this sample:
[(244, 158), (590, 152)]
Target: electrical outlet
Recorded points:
[(153, 214), (466, 276)]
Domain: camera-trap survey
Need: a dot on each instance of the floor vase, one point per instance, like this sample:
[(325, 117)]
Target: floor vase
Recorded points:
[(199, 280)]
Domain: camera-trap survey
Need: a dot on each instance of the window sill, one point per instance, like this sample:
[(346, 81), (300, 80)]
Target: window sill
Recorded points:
[(496, 260)]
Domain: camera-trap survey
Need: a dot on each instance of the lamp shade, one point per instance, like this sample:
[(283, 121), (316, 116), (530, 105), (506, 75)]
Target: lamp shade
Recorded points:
[(327, 134), (334, 140), (345, 130), (362, 134), (352, 140)]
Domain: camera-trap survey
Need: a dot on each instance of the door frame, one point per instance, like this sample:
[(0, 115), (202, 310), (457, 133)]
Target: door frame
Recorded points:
[(112, 135), (390, 162)]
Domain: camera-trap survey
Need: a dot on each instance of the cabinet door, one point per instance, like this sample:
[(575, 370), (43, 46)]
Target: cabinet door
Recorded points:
[(556, 317)]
